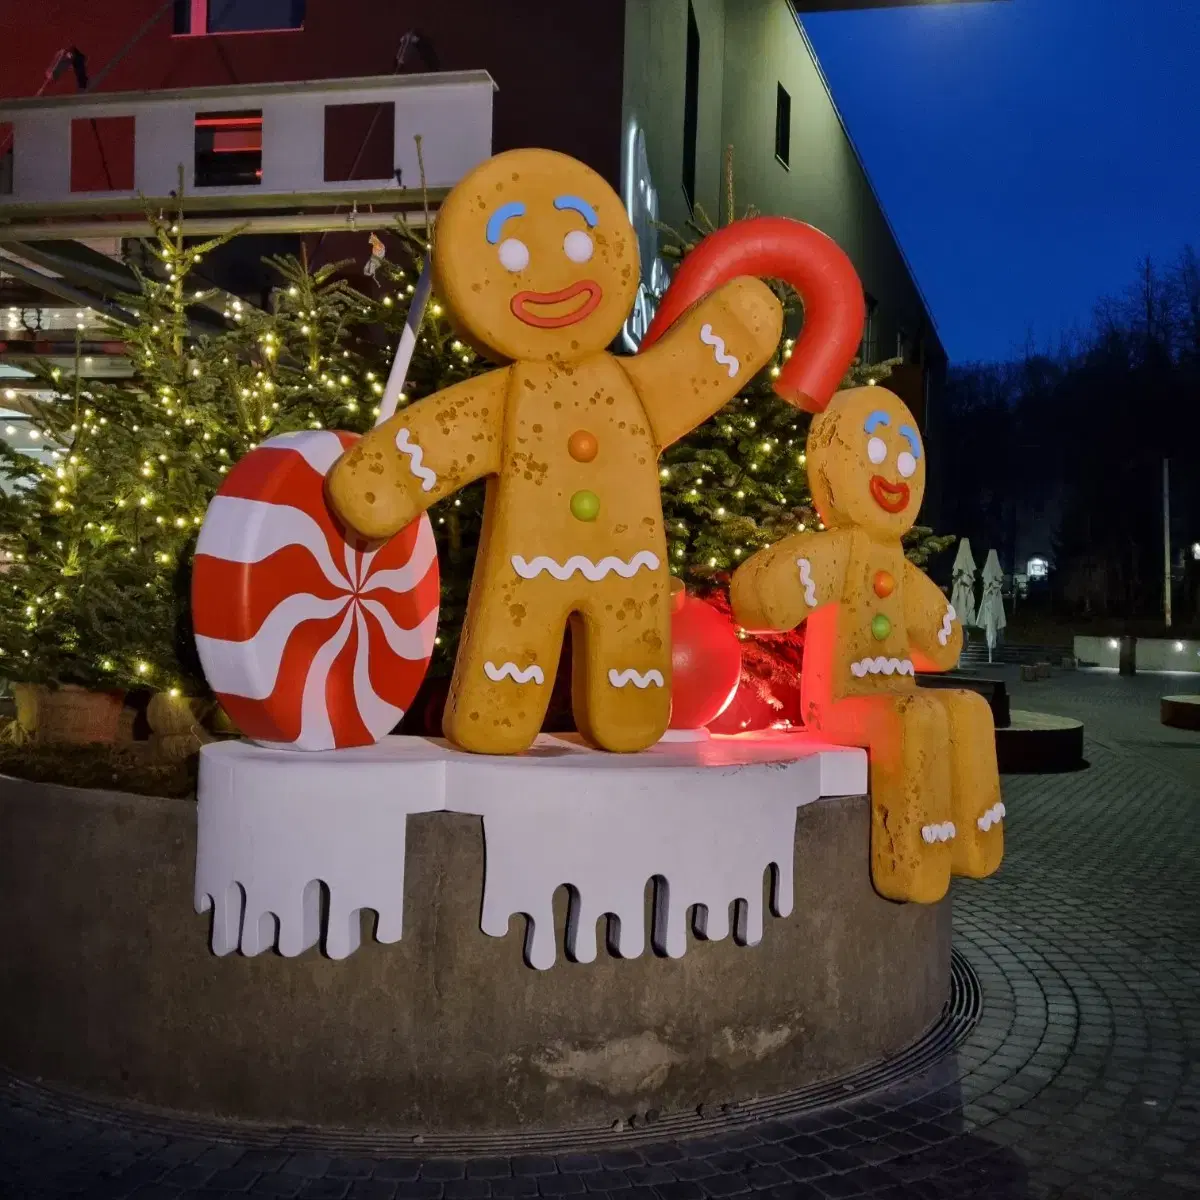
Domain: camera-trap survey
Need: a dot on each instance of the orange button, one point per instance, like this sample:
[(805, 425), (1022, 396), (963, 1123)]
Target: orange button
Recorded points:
[(885, 584), (582, 446)]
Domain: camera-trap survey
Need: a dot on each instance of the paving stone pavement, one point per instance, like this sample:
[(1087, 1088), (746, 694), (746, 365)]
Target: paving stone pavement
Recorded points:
[(1081, 1080)]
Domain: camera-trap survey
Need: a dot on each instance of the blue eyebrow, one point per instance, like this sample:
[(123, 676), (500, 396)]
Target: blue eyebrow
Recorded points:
[(877, 418), (495, 225), (914, 442), (576, 204)]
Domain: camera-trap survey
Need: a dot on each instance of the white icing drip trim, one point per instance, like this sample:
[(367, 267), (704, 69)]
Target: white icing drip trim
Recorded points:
[(944, 632), (881, 666), (718, 344), (424, 474), (591, 571), (806, 579), (620, 679), (938, 833), (510, 670), (993, 816)]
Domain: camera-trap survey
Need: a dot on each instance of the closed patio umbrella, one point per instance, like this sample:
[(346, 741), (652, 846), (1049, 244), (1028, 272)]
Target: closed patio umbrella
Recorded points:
[(990, 617), (962, 594)]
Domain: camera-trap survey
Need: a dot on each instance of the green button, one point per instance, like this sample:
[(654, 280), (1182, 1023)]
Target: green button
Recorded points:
[(880, 627), (585, 506)]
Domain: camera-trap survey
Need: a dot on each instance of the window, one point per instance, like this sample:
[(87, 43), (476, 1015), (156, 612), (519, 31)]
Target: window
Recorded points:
[(783, 126), (867, 350), (229, 149), (102, 154), (6, 158), (198, 17), (691, 106), (359, 141)]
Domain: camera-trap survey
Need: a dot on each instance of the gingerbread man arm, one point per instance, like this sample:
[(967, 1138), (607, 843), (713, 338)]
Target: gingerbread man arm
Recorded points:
[(779, 587), (706, 357), (935, 633), (423, 454)]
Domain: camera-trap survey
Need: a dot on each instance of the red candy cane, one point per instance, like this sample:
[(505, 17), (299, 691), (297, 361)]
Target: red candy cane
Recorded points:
[(805, 258)]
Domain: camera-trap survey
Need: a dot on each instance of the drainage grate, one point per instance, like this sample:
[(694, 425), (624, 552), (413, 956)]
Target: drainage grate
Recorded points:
[(947, 1033)]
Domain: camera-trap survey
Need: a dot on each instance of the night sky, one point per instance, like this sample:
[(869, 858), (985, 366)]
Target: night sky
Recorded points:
[(1028, 152)]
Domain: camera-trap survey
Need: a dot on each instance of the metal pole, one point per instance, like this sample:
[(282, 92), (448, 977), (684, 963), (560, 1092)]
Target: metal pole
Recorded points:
[(211, 226), (1167, 541)]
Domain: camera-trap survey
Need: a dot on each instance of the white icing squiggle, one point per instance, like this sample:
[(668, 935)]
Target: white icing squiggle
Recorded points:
[(424, 474), (938, 833), (623, 678), (810, 588), (718, 344), (993, 816), (591, 571), (944, 632), (881, 666), (510, 670)]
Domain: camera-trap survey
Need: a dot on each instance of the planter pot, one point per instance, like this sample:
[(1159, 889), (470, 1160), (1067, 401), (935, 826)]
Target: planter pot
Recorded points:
[(75, 716), (25, 696), (176, 725)]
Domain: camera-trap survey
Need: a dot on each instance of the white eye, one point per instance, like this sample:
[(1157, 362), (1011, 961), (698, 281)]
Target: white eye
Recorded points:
[(905, 463), (577, 246), (877, 450), (514, 255)]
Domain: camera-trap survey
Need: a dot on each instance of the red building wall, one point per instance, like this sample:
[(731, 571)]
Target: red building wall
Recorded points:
[(557, 63)]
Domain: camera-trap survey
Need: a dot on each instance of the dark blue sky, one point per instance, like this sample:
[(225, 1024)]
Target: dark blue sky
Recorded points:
[(1028, 152)]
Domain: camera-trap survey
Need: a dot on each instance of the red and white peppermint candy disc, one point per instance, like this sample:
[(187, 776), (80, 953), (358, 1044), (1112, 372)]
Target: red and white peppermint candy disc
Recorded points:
[(310, 638)]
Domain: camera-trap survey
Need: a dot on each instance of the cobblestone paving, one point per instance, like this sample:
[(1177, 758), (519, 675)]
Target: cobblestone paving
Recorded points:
[(1081, 1080)]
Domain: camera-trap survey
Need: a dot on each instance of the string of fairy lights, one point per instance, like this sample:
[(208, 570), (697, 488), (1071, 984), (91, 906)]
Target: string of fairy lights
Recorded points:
[(136, 463), (112, 505)]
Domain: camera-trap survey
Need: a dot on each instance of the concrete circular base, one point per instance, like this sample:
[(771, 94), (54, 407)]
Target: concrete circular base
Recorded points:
[(1181, 712), (107, 985), (1039, 743)]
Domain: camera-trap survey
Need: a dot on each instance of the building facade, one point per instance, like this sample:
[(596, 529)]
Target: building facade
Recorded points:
[(651, 93)]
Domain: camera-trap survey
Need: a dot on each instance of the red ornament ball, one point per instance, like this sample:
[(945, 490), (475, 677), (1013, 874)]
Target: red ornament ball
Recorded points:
[(706, 661), (748, 711)]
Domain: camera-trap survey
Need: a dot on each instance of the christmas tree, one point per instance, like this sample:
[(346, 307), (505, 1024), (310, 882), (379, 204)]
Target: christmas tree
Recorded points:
[(100, 537), (738, 484)]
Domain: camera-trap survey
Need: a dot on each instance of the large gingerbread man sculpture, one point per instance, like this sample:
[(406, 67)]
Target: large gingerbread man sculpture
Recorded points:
[(873, 620), (537, 263)]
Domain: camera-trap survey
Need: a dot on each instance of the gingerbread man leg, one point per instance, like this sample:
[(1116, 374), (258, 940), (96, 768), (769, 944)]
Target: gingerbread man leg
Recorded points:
[(621, 663), (507, 661), (912, 829), (975, 804)]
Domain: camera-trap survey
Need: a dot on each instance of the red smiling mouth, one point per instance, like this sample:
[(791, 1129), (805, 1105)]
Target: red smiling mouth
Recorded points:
[(526, 304), (891, 497)]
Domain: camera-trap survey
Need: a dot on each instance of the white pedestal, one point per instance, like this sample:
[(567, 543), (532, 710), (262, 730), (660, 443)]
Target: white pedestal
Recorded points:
[(702, 819)]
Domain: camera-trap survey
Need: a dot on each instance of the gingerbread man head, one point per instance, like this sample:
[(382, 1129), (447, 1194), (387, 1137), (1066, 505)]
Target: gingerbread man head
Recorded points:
[(866, 463), (536, 258)]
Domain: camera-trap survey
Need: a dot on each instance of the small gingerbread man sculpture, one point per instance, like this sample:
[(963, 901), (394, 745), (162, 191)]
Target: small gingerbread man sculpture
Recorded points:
[(873, 619), (537, 263)]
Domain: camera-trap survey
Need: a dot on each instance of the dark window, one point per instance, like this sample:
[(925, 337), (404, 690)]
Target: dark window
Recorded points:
[(229, 149), (237, 16), (691, 105), (783, 125), (867, 351), (360, 141), (102, 154), (6, 158)]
